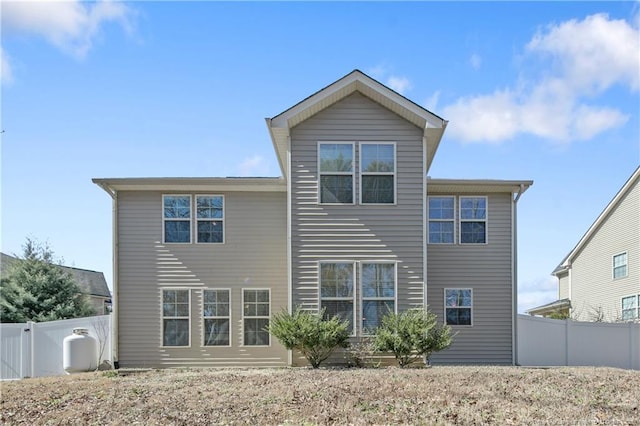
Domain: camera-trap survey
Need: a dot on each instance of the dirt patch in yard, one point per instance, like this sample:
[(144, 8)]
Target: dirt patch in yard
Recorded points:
[(444, 395)]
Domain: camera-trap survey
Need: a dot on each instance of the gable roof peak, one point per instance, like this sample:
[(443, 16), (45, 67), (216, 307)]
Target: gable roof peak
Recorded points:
[(279, 126)]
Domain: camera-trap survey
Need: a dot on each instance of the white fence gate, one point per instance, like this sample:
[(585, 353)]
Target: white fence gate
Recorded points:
[(35, 349), (549, 342)]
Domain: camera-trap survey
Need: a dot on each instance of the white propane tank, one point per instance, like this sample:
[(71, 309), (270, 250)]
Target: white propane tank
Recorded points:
[(80, 352)]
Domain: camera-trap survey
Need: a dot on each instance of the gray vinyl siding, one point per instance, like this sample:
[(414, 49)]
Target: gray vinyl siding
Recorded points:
[(593, 287), (486, 269), (253, 256), (357, 233)]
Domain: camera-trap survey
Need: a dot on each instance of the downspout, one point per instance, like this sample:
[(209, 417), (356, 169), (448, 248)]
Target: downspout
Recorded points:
[(289, 220), (514, 274), (115, 254)]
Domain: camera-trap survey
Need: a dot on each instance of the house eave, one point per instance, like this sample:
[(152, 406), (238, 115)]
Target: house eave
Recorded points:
[(441, 186), (193, 184), (555, 306)]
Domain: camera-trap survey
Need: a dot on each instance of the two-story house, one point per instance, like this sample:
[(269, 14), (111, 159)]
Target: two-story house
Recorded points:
[(353, 225), (599, 280)]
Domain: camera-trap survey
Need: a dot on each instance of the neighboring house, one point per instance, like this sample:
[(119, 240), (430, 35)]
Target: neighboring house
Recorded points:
[(599, 280), (92, 284), (354, 226)]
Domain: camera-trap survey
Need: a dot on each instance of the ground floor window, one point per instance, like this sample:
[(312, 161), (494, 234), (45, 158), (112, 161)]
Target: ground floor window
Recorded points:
[(630, 307), (337, 291), (216, 317), (175, 317), (378, 282), (458, 304), (256, 311)]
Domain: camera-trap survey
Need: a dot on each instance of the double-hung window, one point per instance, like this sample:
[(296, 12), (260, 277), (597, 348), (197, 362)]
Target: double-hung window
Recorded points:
[(209, 217), (378, 282), (473, 220), (630, 308), (337, 291), (256, 311), (215, 314), (441, 220), (620, 265), (377, 173), (175, 317), (176, 218), (335, 166), (458, 304)]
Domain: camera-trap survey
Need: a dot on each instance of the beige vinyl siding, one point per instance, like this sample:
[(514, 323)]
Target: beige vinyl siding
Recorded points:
[(485, 268), (357, 232), (593, 287), (563, 286), (253, 256)]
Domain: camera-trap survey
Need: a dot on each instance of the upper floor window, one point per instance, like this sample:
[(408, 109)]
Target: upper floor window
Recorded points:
[(458, 304), (620, 265), (630, 307), (175, 317), (176, 218), (378, 282), (210, 216), (473, 220), (377, 173), (335, 166), (441, 220), (337, 291)]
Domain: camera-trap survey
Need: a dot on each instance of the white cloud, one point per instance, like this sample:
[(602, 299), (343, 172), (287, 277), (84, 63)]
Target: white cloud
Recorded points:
[(5, 67), (583, 59), (475, 61), (536, 293), (431, 103), (71, 26), (254, 166), (399, 84)]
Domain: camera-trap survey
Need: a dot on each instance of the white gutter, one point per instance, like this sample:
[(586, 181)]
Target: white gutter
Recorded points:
[(289, 221), (114, 298)]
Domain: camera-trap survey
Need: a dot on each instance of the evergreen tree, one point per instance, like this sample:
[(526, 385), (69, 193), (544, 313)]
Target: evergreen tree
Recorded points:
[(36, 289)]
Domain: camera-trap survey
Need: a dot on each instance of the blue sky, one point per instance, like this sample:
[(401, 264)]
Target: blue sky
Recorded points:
[(546, 91)]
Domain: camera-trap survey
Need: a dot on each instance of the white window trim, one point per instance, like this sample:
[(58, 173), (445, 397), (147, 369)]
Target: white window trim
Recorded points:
[(626, 265), (228, 290), (454, 307), (485, 220), (162, 317), (196, 219), (352, 172), (190, 220), (637, 308), (394, 174), (255, 317), (360, 327), (353, 298), (452, 220)]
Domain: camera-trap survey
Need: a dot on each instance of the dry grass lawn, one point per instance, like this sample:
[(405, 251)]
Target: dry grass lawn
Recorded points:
[(438, 395)]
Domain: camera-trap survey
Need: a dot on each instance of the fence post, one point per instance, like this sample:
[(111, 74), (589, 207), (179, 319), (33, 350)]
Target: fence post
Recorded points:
[(567, 337)]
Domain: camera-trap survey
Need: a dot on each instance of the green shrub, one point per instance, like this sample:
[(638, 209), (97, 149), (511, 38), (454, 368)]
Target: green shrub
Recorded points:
[(411, 335), (309, 333)]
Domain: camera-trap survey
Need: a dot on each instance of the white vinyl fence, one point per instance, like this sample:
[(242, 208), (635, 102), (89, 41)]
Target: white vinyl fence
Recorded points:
[(35, 349), (549, 342)]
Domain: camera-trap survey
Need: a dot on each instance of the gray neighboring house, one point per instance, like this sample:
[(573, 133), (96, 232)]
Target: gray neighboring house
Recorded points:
[(354, 225), (599, 280), (92, 284)]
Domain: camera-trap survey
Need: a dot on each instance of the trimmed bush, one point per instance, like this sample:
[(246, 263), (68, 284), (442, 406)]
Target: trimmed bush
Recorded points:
[(411, 335), (309, 333)]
